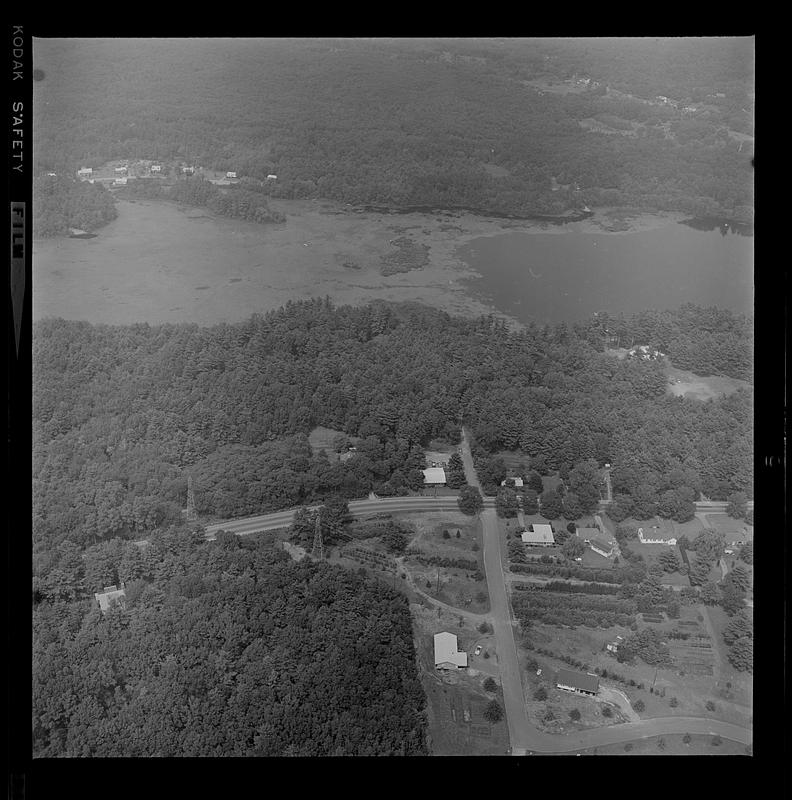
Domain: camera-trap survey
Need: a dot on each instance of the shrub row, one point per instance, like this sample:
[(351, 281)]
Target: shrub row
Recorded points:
[(438, 561), (580, 588), (532, 595), (582, 573)]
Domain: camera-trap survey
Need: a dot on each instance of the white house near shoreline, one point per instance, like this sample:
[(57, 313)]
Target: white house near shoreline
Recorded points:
[(643, 539), (446, 654)]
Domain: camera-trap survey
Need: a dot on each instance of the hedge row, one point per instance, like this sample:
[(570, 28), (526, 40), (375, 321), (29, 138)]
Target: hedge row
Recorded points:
[(616, 576)]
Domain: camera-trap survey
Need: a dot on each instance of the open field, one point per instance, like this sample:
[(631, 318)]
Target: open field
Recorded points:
[(682, 383), (727, 526), (457, 586), (670, 745)]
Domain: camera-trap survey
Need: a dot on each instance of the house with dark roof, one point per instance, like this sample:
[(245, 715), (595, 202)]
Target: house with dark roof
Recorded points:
[(577, 682), (601, 546)]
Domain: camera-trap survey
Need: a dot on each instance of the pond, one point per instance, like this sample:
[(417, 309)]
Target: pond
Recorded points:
[(555, 277)]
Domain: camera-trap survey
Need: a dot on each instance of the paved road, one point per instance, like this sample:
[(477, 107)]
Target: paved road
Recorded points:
[(282, 519), (524, 737)]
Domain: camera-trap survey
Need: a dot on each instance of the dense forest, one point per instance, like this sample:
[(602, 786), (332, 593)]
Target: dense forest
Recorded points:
[(226, 649), (423, 122), (232, 201), (62, 203), (122, 415), (707, 341)]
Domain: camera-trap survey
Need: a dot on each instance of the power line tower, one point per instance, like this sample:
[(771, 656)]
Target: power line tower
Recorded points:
[(318, 547), (192, 514)]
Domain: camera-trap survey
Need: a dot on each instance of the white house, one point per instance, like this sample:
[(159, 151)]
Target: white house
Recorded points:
[(110, 597), (272, 177), (518, 482), (538, 535), (231, 174), (84, 172), (434, 476), (156, 168), (120, 181), (120, 170), (656, 538), (188, 170), (446, 654)]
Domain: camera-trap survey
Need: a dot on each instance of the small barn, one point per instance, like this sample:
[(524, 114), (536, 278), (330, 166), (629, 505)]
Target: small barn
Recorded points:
[(577, 682)]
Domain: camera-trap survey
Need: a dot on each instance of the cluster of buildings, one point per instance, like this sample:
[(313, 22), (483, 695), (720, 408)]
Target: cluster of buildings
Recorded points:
[(118, 173), (645, 353)]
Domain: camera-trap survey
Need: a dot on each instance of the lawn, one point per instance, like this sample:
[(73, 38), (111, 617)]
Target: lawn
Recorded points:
[(670, 745), (726, 525), (683, 383)]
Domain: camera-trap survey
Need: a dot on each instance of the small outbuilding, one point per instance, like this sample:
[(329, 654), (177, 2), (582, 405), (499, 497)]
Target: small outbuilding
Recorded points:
[(446, 653), (516, 482), (434, 476)]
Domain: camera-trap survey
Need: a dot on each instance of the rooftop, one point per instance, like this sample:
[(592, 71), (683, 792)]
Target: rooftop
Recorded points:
[(445, 649), (434, 475), (542, 534), (578, 680)]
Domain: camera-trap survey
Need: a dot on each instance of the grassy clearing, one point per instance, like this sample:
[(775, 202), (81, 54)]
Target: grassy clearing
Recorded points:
[(682, 383), (671, 745), (321, 438), (453, 586)]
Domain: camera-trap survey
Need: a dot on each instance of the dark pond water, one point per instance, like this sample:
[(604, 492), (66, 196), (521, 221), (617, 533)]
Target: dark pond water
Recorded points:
[(566, 277)]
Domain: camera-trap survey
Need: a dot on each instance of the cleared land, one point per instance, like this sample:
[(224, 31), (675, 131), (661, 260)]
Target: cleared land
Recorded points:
[(430, 556), (682, 383), (670, 745)]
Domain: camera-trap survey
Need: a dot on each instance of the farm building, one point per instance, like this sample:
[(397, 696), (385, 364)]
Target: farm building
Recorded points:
[(120, 170), (272, 177), (231, 174), (601, 546), (446, 654), (156, 168), (538, 535), (434, 476), (84, 172), (613, 646), (188, 170), (657, 536), (120, 181), (110, 597), (516, 482), (578, 682)]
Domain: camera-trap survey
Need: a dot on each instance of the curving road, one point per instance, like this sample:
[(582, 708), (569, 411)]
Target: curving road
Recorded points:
[(524, 737)]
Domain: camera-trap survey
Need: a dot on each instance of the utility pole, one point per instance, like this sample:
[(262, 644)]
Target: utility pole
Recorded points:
[(318, 546), (192, 514)]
